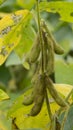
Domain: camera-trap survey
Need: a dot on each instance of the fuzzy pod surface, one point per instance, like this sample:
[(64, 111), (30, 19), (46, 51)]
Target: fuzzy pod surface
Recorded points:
[(59, 100)]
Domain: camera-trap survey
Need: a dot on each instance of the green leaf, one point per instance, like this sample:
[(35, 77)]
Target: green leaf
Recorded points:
[(10, 32), (63, 72), (18, 110), (69, 121), (65, 9), (5, 123), (3, 95), (4, 77), (26, 41)]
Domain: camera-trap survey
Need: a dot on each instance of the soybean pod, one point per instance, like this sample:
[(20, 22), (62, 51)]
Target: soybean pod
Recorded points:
[(37, 105), (59, 100), (37, 71), (28, 100), (57, 48), (45, 51), (39, 88), (39, 93), (33, 54), (50, 55)]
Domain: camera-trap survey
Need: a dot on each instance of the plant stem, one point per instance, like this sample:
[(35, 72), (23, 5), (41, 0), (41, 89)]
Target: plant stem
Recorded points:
[(60, 109), (12, 73), (48, 106), (41, 39), (64, 119), (69, 95)]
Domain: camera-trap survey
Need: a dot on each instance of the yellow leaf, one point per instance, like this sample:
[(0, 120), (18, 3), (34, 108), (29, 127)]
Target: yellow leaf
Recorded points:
[(10, 32), (64, 88), (20, 111)]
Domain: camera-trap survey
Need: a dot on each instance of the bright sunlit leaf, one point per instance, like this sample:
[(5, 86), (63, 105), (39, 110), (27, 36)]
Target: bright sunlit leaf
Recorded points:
[(10, 32), (65, 9)]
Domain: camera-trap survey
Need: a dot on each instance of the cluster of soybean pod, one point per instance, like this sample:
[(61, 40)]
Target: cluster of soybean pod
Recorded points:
[(41, 82)]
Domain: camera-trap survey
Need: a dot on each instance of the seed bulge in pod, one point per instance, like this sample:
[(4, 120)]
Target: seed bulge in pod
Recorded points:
[(28, 100), (38, 102), (36, 109), (39, 93), (36, 73), (50, 56), (58, 49), (45, 56), (59, 100), (33, 54), (39, 87)]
